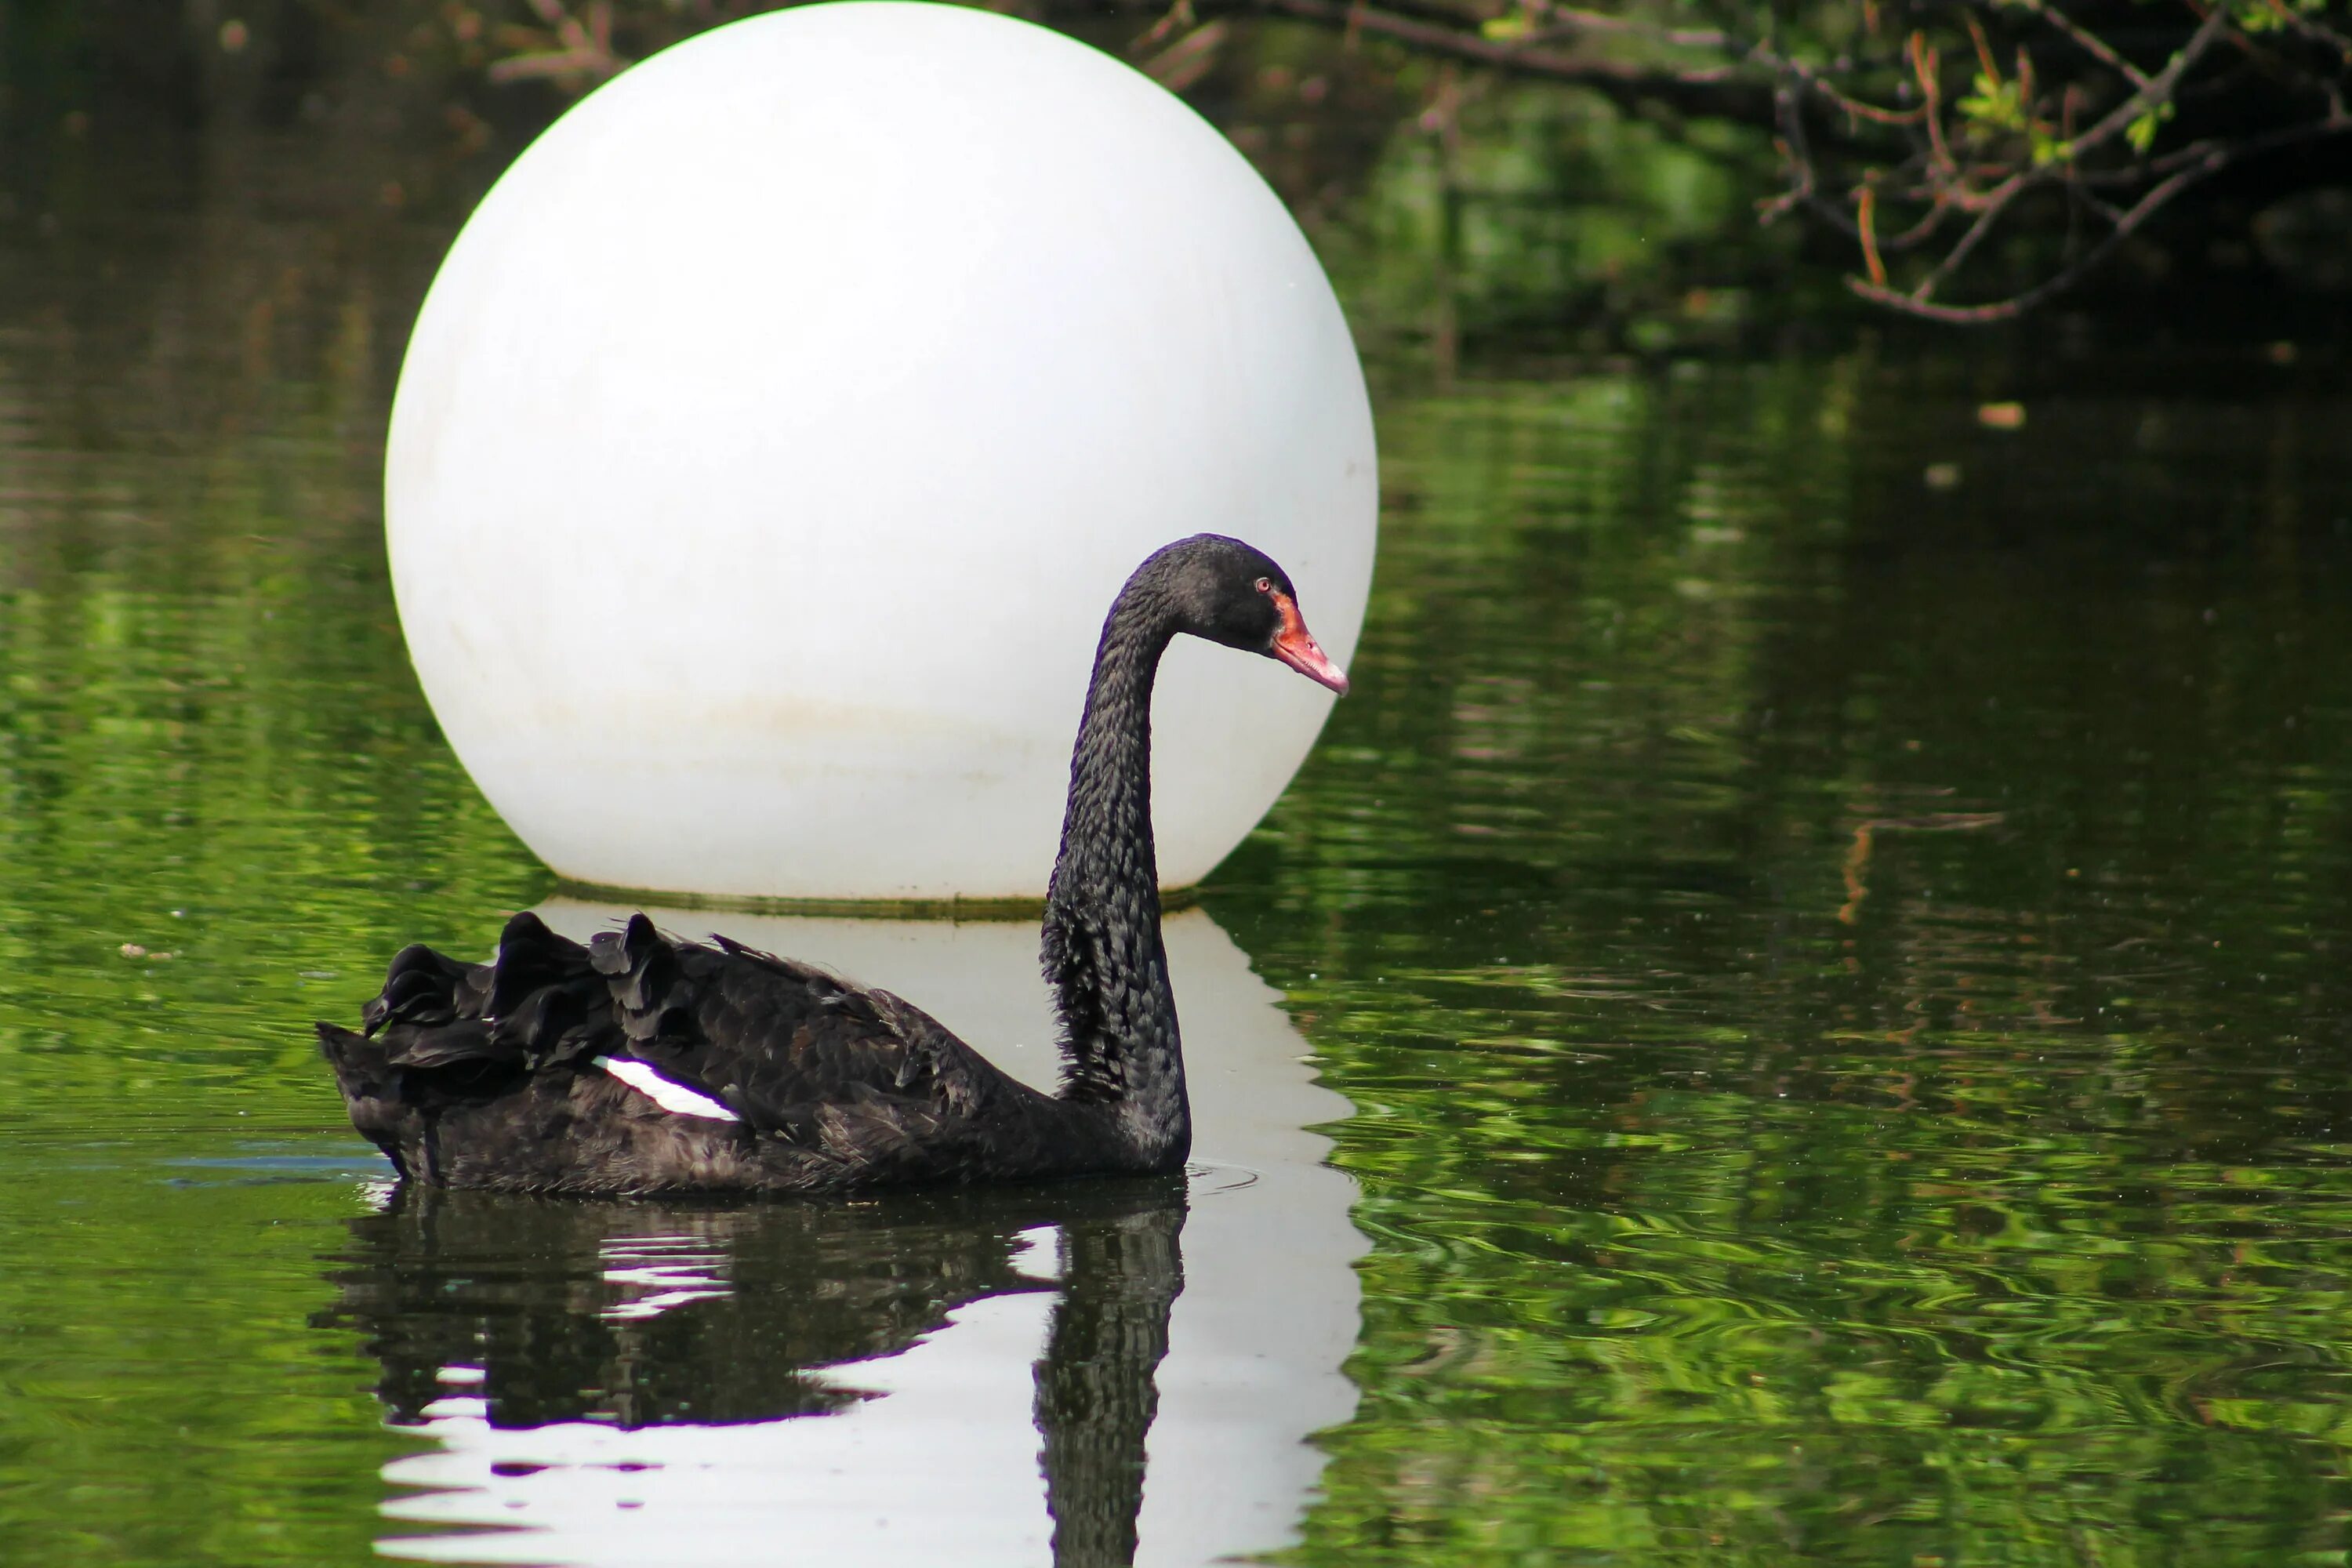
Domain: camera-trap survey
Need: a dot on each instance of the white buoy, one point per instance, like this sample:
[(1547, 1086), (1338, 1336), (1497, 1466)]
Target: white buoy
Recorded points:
[(779, 428)]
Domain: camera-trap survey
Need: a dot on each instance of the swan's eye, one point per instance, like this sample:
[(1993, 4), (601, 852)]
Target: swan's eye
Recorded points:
[(1265, 585)]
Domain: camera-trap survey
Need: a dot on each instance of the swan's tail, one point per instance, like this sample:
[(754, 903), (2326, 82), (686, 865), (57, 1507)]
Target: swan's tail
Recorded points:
[(444, 1033), (370, 1086)]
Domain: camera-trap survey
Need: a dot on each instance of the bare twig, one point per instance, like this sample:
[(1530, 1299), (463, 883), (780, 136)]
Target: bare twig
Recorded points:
[(1726, 88), (584, 47), (2090, 43), (1924, 61), (1564, 23), (1865, 208), (1989, 212)]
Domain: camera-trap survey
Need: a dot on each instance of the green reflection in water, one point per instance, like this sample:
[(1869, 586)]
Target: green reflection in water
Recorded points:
[(222, 802), (1841, 978)]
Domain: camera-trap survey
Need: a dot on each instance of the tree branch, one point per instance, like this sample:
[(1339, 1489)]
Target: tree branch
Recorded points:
[(1724, 90), (2211, 159)]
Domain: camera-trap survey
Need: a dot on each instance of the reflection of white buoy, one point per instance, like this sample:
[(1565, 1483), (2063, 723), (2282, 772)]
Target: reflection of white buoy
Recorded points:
[(777, 432), (942, 1465)]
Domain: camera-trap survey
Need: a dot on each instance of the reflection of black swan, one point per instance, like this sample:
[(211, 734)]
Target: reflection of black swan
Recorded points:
[(534, 1292), (641, 1064), (804, 1293)]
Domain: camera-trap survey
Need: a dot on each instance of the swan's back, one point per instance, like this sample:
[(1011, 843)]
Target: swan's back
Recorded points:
[(639, 1063)]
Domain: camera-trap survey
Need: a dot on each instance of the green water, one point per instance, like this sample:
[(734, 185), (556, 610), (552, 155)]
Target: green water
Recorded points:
[(1831, 916), (1842, 982)]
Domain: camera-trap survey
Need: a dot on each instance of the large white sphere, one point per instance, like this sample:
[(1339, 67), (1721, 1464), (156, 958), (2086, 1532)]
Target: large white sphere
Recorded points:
[(778, 430)]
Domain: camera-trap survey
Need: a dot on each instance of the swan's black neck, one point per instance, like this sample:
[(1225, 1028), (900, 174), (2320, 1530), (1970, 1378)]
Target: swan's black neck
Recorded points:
[(1102, 949)]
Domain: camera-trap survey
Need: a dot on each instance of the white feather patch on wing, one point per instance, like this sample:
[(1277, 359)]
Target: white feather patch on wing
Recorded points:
[(671, 1097)]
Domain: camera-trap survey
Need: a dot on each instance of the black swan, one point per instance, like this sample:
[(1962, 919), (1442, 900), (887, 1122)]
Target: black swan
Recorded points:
[(642, 1064)]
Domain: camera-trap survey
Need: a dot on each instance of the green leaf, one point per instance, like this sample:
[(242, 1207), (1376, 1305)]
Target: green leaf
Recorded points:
[(1995, 105)]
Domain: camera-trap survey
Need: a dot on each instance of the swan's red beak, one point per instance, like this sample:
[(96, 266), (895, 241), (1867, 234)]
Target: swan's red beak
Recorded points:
[(1297, 647)]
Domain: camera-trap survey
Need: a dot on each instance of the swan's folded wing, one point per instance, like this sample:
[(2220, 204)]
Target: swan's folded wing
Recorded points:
[(838, 1069), (537, 1002)]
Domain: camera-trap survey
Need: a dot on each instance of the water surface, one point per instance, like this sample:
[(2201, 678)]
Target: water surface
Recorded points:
[(1829, 916)]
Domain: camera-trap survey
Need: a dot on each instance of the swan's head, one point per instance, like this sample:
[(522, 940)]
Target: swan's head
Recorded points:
[(1233, 594)]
